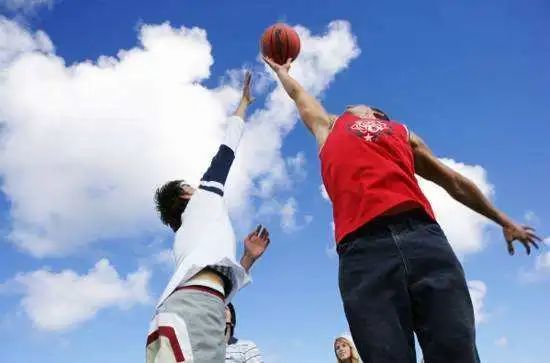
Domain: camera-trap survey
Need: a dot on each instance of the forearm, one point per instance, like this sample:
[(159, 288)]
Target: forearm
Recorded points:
[(241, 109), (291, 86), (467, 193), (312, 113), (247, 261)]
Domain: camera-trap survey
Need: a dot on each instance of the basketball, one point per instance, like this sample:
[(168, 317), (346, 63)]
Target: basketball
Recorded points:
[(280, 42)]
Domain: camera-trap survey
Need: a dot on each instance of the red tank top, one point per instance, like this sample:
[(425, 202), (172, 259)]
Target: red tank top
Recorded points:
[(367, 167)]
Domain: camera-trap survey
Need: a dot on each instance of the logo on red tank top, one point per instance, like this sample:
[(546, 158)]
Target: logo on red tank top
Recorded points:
[(370, 129)]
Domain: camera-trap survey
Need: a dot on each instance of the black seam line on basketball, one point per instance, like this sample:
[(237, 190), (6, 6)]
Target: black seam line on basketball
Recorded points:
[(271, 44), (279, 43)]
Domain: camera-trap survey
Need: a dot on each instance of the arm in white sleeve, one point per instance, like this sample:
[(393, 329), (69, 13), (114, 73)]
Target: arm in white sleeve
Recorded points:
[(216, 175)]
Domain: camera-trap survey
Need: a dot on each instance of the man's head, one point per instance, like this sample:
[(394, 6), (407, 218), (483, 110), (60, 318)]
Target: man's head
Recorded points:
[(171, 200), (230, 321), (367, 112)]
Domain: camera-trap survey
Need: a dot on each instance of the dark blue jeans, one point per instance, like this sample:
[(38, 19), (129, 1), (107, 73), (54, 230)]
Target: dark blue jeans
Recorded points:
[(399, 275)]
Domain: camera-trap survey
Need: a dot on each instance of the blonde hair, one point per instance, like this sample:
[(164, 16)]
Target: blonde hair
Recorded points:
[(354, 353)]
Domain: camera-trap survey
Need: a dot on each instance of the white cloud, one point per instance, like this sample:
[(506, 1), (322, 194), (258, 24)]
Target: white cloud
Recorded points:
[(541, 268), (478, 291), (324, 193), (164, 259), (531, 217), (287, 212), (502, 342), (83, 146), (465, 229), (296, 165), (288, 215), (282, 175), (25, 5), (58, 301), (16, 41), (165, 256), (330, 249)]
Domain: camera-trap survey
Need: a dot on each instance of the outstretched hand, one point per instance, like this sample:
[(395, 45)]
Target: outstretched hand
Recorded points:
[(278, 67), (524, 234), (247, 95), (256, 243)]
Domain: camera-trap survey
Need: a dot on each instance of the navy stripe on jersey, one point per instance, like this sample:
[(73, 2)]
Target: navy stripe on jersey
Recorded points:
[(218, 191), (220, 165)]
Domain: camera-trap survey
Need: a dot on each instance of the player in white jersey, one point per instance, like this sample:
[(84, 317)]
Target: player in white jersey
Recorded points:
[(189, 321)]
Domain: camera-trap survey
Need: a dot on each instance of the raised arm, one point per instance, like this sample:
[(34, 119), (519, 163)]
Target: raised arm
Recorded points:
[(463, 190), (216, 174), (312, 113)]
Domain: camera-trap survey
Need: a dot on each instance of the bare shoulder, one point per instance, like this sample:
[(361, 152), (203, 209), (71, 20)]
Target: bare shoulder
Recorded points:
[(415, 140)]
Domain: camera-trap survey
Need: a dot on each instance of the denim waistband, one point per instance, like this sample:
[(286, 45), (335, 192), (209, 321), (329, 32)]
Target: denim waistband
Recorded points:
[(381, 225)]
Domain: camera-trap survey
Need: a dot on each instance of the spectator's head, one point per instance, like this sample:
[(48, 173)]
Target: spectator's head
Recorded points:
[(230, 321), (345, 350)]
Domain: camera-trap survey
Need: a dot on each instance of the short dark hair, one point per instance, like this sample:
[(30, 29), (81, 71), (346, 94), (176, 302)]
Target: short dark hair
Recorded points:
[(169, 204), (382, 113), (233, 317)]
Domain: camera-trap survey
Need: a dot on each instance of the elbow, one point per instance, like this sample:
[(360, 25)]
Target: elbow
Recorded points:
[(294, 93)]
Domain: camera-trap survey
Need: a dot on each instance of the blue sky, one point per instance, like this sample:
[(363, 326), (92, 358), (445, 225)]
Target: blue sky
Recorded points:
[(472, 79)]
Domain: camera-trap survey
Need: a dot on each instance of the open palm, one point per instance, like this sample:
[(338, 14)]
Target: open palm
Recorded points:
[(256, 243)]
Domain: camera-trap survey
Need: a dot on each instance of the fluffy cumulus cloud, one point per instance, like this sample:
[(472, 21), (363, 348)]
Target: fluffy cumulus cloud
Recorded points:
[(15, 41), (83, 146), (478, 291), (58, 301), (465, 229)]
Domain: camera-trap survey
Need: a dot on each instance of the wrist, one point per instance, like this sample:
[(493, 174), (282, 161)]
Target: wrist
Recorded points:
[(281, 72), (247, 261), (248, 257), (504, 221)]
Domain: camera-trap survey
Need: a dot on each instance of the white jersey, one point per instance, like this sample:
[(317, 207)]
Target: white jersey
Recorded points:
[(206, 236), (242, 351)]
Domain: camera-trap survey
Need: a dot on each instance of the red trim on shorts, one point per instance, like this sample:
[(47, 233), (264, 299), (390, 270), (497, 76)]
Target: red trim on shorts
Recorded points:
[(202, 288), (170, 334)]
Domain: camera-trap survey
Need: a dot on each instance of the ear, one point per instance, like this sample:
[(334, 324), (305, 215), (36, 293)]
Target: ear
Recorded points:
[(185, 196)]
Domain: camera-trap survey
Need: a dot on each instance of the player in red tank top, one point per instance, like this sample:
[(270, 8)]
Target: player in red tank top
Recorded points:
[(398, 274)]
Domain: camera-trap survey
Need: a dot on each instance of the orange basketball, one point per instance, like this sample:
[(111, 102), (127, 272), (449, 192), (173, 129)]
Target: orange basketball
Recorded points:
[(280, 42)]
